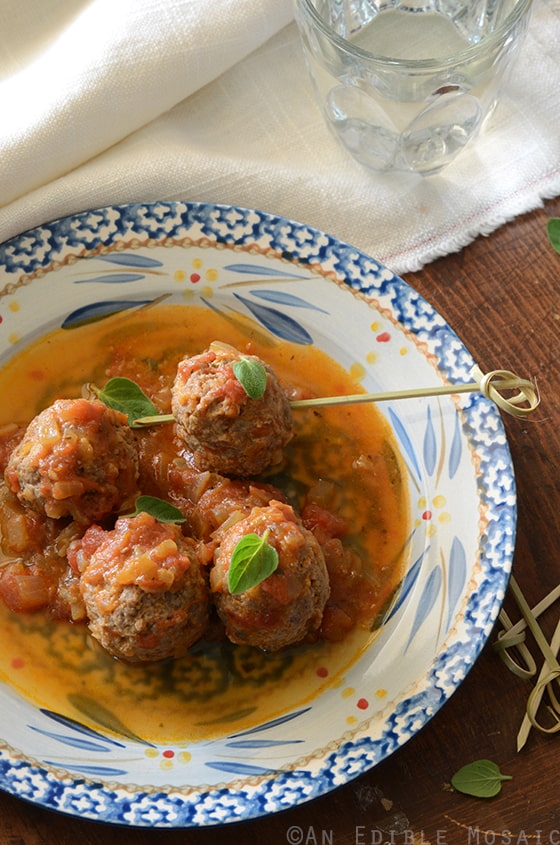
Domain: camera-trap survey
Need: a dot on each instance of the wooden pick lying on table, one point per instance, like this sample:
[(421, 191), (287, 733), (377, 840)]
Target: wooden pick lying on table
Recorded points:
[(513, 636), (522, 403)]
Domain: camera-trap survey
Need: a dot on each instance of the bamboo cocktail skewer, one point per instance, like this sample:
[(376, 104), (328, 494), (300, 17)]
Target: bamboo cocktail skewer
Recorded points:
[(521, 404)]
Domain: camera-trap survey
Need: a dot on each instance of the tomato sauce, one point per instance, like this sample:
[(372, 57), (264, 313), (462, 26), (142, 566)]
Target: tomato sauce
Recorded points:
[(342, 472)]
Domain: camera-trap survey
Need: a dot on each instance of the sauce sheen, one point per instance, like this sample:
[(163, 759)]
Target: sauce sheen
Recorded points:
[(345, 455)]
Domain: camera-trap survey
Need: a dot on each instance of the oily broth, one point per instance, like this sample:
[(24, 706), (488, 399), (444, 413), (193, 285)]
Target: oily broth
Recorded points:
[(59, 665)]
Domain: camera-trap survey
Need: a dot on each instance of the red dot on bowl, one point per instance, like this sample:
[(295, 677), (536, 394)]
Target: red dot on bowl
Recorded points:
[(384, 337), (322, 672), (169, 754), (427, 515), (195, 277), (362, 704)]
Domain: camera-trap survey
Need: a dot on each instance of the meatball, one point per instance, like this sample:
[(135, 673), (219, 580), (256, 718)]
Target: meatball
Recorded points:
[(224, 428), (286, 607), (76, 459), (144, 588), (226, 502)]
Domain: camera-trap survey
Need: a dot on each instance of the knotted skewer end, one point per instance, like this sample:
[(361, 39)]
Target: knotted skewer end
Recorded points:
[(524, 399)]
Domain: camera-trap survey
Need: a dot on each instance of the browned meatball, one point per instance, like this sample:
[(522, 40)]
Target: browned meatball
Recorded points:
[(144, 588), (226, 502), (77, 458), (287, 606), (224, 428)]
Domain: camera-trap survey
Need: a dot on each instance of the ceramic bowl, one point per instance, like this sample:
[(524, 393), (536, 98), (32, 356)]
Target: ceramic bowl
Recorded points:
[(298, 284)]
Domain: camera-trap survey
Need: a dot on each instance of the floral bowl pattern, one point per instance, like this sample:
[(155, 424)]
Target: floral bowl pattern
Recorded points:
[(301, 285)]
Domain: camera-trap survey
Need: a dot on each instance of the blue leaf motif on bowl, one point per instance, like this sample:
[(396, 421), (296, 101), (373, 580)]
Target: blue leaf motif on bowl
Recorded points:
[(243, 769), (263, 269), (428, 598), (283, 298), (111, 279), (76, 742), (407, 584), (274, 723), (405, 441), (91, 771), (457, 574), (99, 310), (78, 726), (276, 322), (430, 445), (456, 449), (262, 743), (131, 259), (102, 745)]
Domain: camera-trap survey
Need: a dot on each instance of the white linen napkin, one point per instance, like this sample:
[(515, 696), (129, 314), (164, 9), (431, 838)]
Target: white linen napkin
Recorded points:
[(111, 101)]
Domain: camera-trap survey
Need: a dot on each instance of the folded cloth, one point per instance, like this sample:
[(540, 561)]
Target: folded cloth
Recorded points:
[(137, 100)]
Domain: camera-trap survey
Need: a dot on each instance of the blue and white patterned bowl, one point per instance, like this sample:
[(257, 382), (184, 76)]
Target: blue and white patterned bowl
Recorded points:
[(302, 285)]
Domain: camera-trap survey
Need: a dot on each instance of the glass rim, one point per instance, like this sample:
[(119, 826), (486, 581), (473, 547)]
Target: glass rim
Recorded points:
[(520, 8)]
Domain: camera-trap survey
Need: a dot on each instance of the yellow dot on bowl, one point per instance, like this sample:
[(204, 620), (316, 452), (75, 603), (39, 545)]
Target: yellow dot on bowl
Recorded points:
[(357, 371), (211, 275), (188, 294), (403, 350), (380, 693), (348, 692), (197, 263), (179, 275), (444, 517), (184, 757), (439, 501), (166, 764), (14, 337), (151, 752), (431, 530), (371, 357), (207, 292), (351, 720), (422, 502), (14, 305), (375, 326)]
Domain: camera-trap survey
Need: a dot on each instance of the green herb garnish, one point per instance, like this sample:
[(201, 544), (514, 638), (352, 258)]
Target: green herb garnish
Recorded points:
[(124, 395), (252, 377), (253, 560), (553, 231), (482, 778), (158, 508)]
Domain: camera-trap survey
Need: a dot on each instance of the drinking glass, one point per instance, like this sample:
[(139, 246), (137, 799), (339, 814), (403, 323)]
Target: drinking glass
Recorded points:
[(406, 84)]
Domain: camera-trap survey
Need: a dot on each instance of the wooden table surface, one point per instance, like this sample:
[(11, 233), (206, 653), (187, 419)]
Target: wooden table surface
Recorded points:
[(501, 294)]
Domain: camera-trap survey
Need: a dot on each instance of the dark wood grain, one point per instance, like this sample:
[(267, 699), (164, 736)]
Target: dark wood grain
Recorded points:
[(501, 294)]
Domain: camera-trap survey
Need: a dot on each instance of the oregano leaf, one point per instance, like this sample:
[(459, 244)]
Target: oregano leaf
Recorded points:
[(553, 231), (253, 560), (251, 375), (124, 395), (481, 778), (158, 508)]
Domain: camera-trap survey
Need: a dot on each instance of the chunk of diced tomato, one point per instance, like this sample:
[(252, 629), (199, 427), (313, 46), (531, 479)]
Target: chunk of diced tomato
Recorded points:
[(22, 589)]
